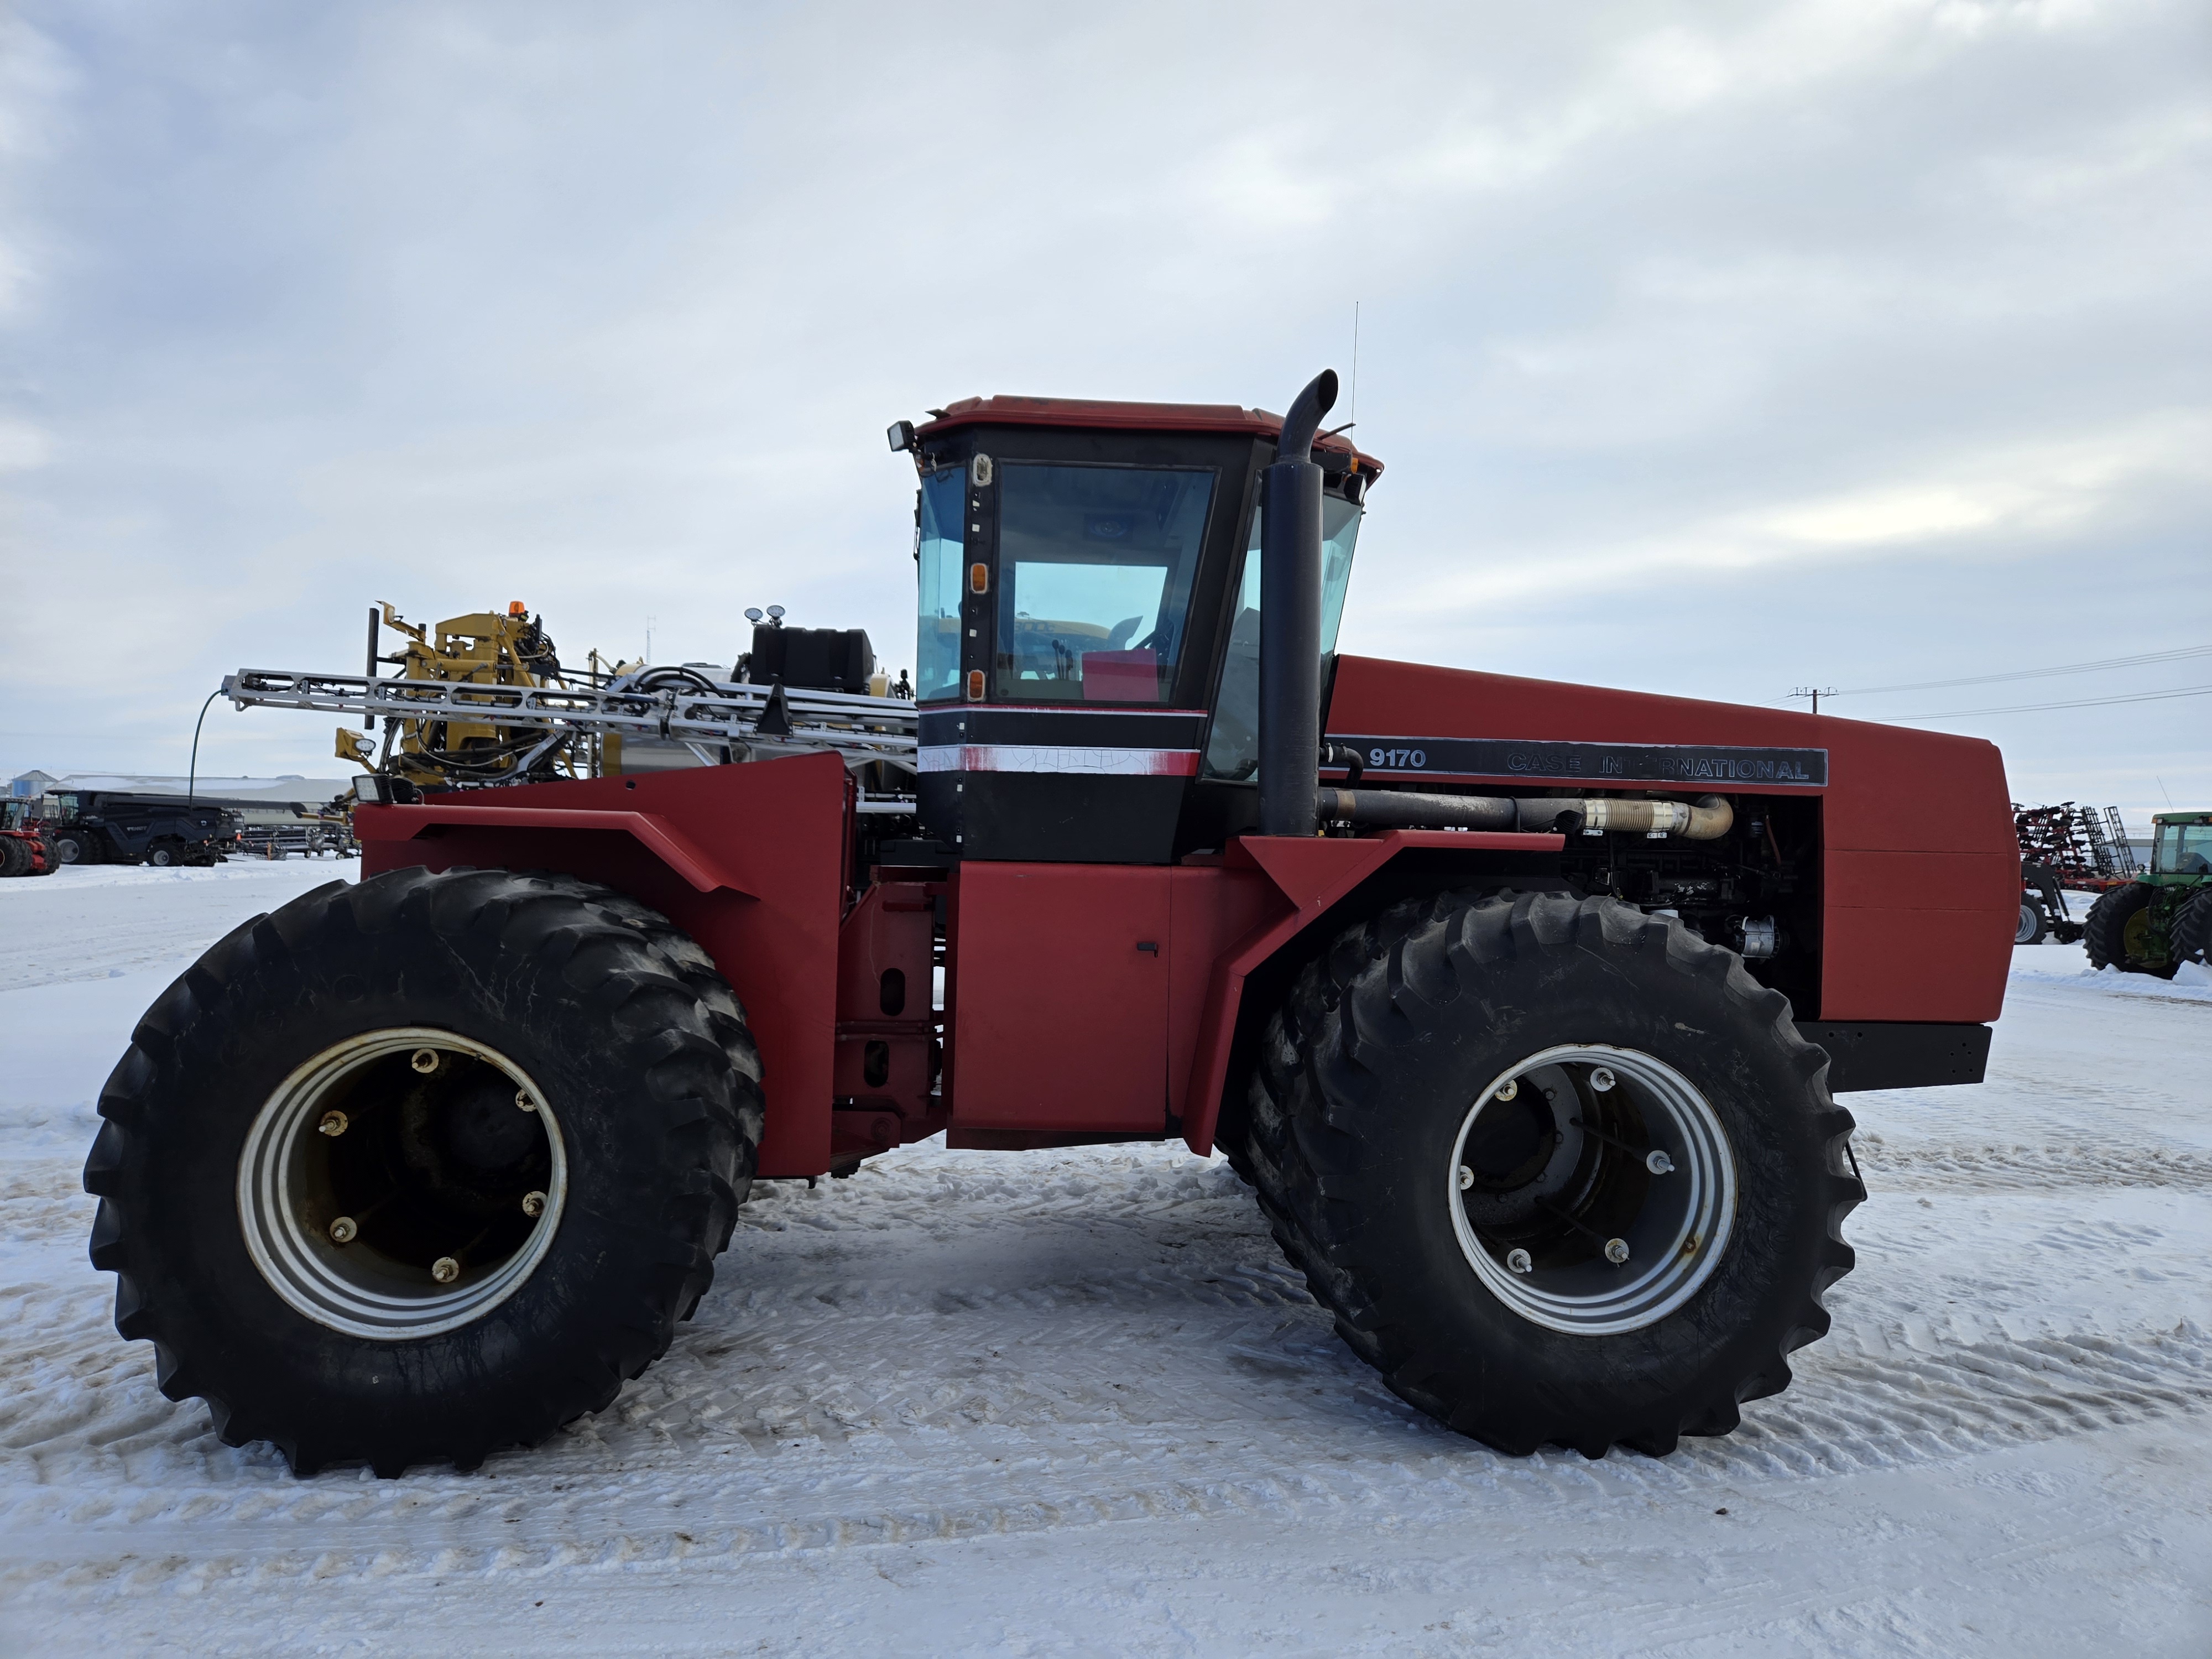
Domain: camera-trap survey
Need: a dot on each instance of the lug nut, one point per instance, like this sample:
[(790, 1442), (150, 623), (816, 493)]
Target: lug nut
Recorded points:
[(1658, 1164), (1512, 1088), (344, 1230), (1601, 1078), (1466, 1177), (445, 1270), (533, 1204), (424, 1060), (333, 1123), (1519, 1261), (1616, 1250), (523, 1101)]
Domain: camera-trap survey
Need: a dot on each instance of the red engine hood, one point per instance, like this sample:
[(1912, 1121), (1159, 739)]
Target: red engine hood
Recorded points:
[(1921, 870)]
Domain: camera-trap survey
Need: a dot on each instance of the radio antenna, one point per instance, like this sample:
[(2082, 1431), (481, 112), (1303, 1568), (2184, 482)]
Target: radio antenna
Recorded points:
[(1353, 410)]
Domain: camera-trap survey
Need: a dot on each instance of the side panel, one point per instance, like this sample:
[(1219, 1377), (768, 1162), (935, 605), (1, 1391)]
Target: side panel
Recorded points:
[(772, 832), (1212, 908), (1060, 1015)]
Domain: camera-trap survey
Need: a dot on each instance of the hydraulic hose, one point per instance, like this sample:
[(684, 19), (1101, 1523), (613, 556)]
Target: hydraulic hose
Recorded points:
[(1708, 819), (1405, 810)]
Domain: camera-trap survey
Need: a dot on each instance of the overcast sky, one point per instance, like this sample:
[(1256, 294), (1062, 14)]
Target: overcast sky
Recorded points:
[(1712, 348)]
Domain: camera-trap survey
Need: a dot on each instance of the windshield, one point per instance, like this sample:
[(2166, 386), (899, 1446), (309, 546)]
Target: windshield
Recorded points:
[(937, 551), (1232, 750), (1095, 568), (2183, 849)]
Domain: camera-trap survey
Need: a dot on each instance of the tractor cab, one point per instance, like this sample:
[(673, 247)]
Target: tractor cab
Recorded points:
[(1088, 644), (2181, 844)]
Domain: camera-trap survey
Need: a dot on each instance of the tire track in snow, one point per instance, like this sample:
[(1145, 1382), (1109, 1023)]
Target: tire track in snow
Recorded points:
[(951, 1345), (1019, 1423), (1890, 1414), (1960, 1167)]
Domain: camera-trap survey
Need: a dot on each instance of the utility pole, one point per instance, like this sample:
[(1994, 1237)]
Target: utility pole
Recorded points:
[(1815, 692)]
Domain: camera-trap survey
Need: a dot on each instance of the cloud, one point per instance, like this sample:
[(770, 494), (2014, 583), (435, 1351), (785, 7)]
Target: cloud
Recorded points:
[(1884, 316)]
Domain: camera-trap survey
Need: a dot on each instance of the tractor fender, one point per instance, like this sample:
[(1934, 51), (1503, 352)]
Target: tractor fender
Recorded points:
[(750, 861), (1297, 892)]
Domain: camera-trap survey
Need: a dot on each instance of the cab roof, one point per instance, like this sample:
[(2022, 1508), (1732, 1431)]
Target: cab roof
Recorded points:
[(1096, 413)]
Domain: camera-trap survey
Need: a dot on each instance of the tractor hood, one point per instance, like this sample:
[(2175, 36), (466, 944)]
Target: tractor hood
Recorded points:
[(1918, 860)]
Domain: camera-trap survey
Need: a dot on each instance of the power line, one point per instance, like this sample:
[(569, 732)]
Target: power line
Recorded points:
[(2029, 673), (2036, 707)]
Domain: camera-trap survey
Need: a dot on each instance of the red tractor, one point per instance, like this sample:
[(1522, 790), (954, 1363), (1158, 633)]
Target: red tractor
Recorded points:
[(26, 843), (1520, 1004)]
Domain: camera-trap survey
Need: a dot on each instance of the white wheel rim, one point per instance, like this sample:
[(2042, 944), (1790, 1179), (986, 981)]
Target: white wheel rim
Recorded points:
[(353, 1287), (1675, 1225)]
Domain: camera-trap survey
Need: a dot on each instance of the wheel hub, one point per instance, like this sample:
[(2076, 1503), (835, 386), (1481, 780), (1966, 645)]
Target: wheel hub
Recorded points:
[(1592, 1188), (396, 1186)]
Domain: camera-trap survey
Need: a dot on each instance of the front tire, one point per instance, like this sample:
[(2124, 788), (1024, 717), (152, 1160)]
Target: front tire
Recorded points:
[(1435, 1147), (2033, 928), (413, 1170)]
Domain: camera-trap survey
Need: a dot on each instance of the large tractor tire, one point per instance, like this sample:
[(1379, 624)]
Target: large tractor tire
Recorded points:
[(2116, 933), (414, 1169), (50, 857), (74, 847), (1564, 1172), (2033, 928), (2191, 934), (163, 854), (16, 857)]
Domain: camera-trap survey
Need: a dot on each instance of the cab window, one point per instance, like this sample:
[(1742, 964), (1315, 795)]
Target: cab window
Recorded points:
[(2184, 849), (1095, 569), (1232, 747), (937, 552)]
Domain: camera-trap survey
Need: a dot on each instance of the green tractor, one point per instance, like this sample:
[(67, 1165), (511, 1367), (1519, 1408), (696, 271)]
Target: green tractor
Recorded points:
[(2163, 918)]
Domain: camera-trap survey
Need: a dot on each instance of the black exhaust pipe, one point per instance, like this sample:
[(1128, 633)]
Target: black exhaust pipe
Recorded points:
[(1290, 618)]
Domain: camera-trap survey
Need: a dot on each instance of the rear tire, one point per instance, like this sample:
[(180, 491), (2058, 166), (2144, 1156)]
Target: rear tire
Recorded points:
[(362, 1349), (75, 849), (161, 855), (2116, 922), (1382, 1070), (2192, 936), (14, 857)]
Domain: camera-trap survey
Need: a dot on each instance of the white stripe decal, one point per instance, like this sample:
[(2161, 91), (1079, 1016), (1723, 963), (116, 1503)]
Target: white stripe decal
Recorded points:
[(1041, 757)]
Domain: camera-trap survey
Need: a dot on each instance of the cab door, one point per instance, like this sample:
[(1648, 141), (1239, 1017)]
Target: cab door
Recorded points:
[(1058, 997)]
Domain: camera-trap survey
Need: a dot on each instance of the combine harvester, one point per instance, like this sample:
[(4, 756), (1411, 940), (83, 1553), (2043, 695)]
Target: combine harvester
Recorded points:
[(1520, 1004)]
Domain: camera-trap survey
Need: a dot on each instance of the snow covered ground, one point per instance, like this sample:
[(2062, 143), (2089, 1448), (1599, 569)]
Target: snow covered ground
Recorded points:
[(1075, 1403)]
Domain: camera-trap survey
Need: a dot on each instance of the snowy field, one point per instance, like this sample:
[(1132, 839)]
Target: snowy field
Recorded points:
[(1075, 1403)]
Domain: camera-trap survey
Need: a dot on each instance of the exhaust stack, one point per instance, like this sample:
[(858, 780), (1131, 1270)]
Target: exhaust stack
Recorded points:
[(1290, 618)]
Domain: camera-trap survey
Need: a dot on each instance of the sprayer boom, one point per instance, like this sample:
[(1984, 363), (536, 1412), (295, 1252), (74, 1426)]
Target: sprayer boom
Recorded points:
[(858, 727)]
